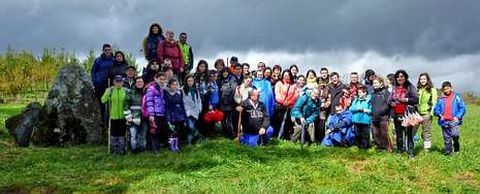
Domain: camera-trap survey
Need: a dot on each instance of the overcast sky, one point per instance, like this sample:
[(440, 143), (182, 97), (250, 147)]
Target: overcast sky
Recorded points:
[(437, 36)]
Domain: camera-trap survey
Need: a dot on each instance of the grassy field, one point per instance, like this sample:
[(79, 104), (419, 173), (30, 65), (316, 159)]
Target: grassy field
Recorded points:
[(218, 166)]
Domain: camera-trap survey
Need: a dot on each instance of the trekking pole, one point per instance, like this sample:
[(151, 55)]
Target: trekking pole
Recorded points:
[(239, 128), (302, 137), (109, 116), (282, 126)]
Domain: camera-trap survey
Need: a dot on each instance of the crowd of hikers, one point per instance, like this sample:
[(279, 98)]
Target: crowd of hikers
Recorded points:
[(171, 105)]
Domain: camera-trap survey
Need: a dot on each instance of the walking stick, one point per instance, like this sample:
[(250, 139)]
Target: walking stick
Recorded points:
[(302, 137), (282, 126), (239, 126), (109, 116)]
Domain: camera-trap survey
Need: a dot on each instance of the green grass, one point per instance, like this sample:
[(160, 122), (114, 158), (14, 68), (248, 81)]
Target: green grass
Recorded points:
[(218, 166)]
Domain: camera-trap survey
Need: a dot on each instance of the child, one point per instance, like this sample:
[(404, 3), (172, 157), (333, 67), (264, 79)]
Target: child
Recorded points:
[(133, 115), (176, 114), (193, 106), (450, 109), (116, 97), (156, 111), (361, 118), (427, 98), (340, 129)]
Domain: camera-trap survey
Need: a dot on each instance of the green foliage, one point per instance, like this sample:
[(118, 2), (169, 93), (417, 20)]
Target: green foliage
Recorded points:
[(219, 166)]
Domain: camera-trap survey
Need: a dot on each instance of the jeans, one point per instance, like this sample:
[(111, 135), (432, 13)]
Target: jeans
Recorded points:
[(451, 132), (138, 134), (402, 133)]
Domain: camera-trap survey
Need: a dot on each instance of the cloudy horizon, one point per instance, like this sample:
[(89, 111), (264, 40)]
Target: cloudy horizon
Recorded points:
[(440, 37)]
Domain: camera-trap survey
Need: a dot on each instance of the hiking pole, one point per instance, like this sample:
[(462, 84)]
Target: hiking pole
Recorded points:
[(302, 137), (239, 127), (109, 116), (282, 126)]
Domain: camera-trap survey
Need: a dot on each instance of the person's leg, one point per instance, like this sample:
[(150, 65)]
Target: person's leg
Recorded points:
[(385, 142), (142, 136), (376, 131), (133, 137), (427, 132), (311, 133), (447, 139), (366, 137), (399, 130), (410, 142), (277, 121), (268, 135), (455, 137), (297, 130)]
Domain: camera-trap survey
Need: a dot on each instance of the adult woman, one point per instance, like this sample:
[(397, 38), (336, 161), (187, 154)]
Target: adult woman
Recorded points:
[(286, 94), (169, 49), (150, 43), (427, 95)]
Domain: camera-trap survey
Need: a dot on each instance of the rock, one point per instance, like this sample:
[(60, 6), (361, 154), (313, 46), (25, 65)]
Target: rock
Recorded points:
[(71, 113), (21, 126)]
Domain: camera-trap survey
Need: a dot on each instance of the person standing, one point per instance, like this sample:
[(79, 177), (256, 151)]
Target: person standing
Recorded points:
[(169, 49), (115, 96), (99, 74), (427, 98), (187, 53), (150, 43)]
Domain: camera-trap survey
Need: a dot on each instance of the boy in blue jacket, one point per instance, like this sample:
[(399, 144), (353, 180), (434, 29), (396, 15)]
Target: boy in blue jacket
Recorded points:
[(340, 128), (450, 109), (362, 117)]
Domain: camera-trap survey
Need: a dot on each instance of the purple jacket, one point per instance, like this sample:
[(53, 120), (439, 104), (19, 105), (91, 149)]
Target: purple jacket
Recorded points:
[(154, 101)]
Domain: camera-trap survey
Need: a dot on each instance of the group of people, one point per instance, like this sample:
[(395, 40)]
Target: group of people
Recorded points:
[(169, 105)]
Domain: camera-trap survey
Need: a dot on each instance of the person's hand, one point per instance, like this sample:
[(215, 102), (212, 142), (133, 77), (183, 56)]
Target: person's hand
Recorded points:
[(262, 131), (129, 119), (239, 108), (285, 104), (403, 100), (455, 119), (328, 131), (180, 70), (151, 119), (302, 121), (393, 104)]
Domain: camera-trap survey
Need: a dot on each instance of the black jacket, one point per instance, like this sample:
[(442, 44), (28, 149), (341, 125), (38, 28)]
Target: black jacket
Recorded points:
[(254, 118), (380, 106)]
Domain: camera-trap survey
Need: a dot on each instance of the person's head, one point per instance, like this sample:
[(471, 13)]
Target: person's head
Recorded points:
[(338, 108), (247, 80), (253, 95), (190, 80), (224, 72), (354, 78), (139, 83), (131, 72), (268, 72), (168, 72), (183, 37), (167, 62), (390, 79), (261, 66), (334, 78), (311, 74), (287, 76), (119, 56), (202, 66), (424, 81), (378, 83), (369, 75), (213, 75), (315, 93), (259, 74), (173, 84), (238, 69), (118, 81), (324, 73), (246, 68), (107, 50), (362, 92), (401, 78), (447, 88), (233, 60), (160, 78), (219, 64), (301, 81), (277, 70), (170, 36), (155, 29), (294, 69), (154, 65)]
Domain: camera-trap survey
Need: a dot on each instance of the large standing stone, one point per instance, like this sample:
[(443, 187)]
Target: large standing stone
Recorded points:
[(21, 126), (71, 113)]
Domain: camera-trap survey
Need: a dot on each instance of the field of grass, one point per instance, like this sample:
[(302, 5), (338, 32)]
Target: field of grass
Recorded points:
[(219, 166)]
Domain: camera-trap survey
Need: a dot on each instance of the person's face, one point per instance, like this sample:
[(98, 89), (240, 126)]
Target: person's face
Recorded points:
[(301, 82), (174, 85), (261, 66), (190, 81), (254, 96), (324, 74), (338, 109), (247, 81), (294, 71), (219, 66), (202, 68), (213, 77), (286, 76), (268, 73), (310, 76), (107, 51), (167, 63), (154, 66), (130, 72), (377, 84), (118, 84), (246, 69), (160, 80), (225, 74), (334, 79), (354, 78), (447, 90), (139, 84), (371, 78), (423, 80), (169, 74), (276, 72), (401, 79), (183, 38), (118, 57), (170, 35), (238, 70), (362, 94), (315, 94), (155, 30), (259, 74)]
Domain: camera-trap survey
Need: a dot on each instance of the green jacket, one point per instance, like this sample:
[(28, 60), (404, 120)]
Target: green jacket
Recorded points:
[(427, 101), (117, 104), (187, 55), (133, 105)]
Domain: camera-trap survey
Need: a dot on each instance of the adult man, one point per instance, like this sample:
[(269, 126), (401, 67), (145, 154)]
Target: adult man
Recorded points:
[(99, 74)]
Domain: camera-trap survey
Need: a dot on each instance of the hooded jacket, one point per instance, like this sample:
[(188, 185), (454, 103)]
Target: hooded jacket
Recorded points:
[(363, 116), (380, 106), (192, 102), (167, 50), (100, 70), (307, 108), (266, 94), (154, 100), (458, 106), (174, 105)]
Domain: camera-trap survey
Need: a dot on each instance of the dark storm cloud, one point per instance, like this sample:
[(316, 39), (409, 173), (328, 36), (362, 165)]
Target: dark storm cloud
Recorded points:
[(429, 28)]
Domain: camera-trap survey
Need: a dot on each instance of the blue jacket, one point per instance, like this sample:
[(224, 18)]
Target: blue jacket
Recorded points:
[(459, 108), (266, 94), (174, 106), (364, 116), (100, 70), (307, 108), (340, 121)]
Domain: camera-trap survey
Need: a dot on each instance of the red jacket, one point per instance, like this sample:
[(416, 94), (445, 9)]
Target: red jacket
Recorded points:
[(286, 93), (166, 50)]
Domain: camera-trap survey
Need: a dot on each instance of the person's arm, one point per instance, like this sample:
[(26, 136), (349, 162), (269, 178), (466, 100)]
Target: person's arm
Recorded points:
[(316, 113), (127, 103), (434, 100), (293, 96), (296, 111), (150, 102), (191, 58), (106, 96), (160, 51), (182, 61), (93, 72), (461, 108), (412, 96), (279, 96)]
